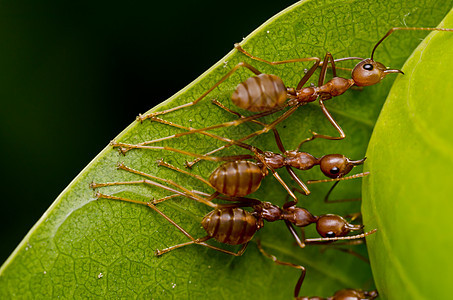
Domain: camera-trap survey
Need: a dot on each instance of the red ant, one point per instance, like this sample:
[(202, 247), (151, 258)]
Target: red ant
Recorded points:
[(267, 94), (231, 224), (239, 177)]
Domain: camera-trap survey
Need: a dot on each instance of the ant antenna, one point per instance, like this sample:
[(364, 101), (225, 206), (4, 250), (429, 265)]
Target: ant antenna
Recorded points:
[(340, 178), (406, 28)]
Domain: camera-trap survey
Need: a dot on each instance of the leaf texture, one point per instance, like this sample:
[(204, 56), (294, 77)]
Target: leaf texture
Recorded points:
[(83, 247)]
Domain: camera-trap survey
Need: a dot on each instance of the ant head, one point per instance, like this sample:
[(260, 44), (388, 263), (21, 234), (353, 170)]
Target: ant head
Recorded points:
[(337, 165), (351, 294), (369, 72), (334, 226)]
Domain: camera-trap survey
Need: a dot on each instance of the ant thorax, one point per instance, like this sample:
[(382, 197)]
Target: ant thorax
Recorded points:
[(274, 160), (300, 217), (335, 87), (300, 160), (308, 94), (267, 211)]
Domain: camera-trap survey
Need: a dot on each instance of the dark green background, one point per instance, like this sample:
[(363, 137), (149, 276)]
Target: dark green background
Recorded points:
[(73, 75)]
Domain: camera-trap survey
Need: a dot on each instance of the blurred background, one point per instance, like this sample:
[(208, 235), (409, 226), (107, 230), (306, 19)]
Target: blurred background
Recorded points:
[(75, 74)]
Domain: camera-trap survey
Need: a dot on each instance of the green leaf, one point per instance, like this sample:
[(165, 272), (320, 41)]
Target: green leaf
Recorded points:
[(408, 195), (87, 248)]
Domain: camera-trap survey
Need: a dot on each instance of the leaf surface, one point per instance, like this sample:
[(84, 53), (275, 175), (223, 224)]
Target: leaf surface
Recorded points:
[(87, 248), (408, 196)]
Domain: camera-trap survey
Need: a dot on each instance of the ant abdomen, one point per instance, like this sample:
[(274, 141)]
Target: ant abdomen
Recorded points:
[(260, 93), (334, 226), (237, 178), (233, 226)]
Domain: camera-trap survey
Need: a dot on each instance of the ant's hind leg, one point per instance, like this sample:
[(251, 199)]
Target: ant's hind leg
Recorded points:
[(283, 263), (141, 118), (273, 63), (189, 164)]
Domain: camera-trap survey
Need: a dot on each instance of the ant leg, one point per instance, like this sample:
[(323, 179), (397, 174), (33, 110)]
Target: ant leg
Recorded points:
[(276, 135), (271, 125), (306, 140), (299, 241), (141, 118), (199, 241), (345, 59), (305, 191), (126, 147), (256, 151), (349, 251), (279, 262), (275, 174), (332, 121), (190, 164), (185, 192), (322, 76), (155, 201), (239, 201), (328, 58), (226, 124), (152, 206), (308, 75), (326, 198), (202, 243), (160, 162), (265, 129), (273, 63)]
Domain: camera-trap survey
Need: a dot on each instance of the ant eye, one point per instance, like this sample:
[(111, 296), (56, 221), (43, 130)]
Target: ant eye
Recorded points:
[(368, 67), (334, 170), (330, 234)]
